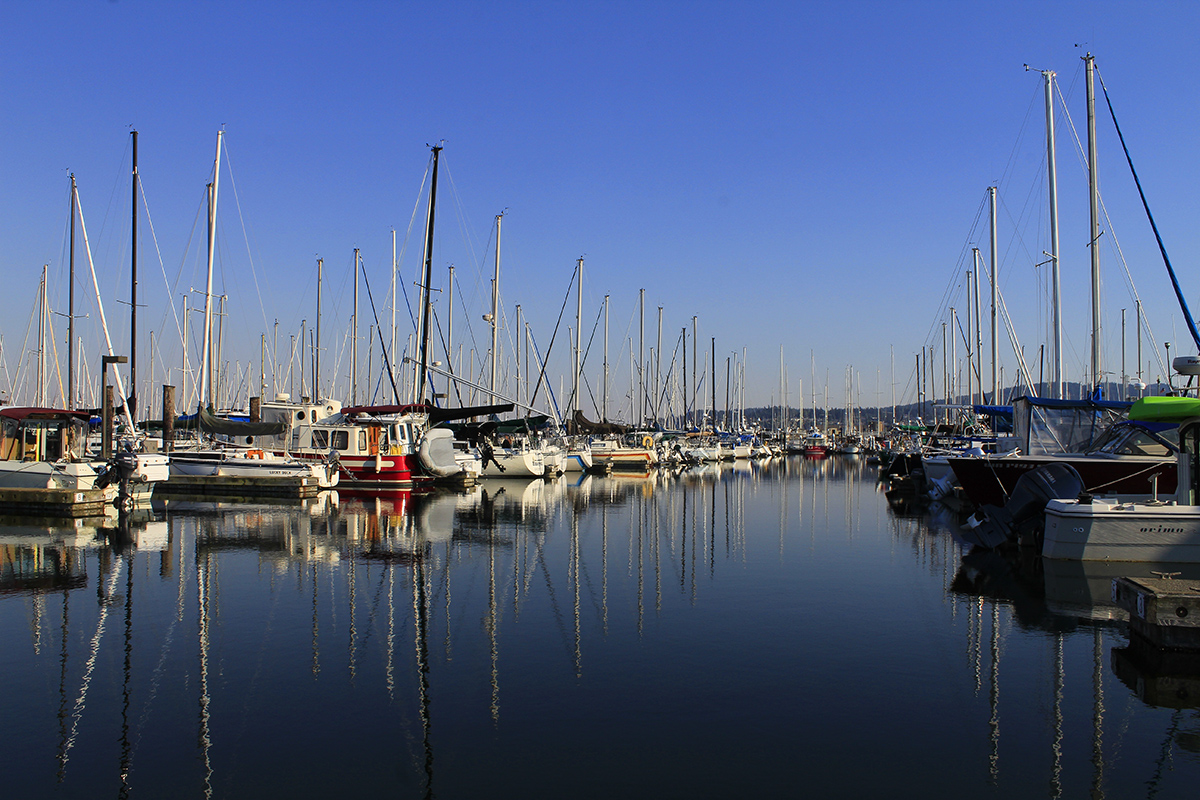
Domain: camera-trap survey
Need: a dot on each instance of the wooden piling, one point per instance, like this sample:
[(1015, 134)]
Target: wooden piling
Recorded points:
[(168, 418), (107, 420)]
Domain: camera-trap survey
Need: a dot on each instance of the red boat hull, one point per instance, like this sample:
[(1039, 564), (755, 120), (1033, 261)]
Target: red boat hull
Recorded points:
[(992, 480), (371, 474)]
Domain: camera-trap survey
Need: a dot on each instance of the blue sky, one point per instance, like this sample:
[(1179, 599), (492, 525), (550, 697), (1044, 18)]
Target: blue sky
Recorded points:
[(796, 174)]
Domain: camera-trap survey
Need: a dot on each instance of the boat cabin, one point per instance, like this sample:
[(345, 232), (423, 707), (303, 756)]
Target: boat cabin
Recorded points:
[(322, 427), (42, 434)]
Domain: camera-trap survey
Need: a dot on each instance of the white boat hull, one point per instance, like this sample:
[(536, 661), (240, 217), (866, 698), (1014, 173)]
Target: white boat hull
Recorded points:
[(628, 458), (1109, 530), (48, 474), (578, 461), (515, 464), (266, 466)]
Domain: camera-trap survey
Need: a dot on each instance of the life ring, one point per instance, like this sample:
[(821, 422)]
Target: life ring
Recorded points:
[(648, 441)]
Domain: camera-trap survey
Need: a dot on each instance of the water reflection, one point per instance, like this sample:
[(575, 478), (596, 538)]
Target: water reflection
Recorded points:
[(1065, 601), (435, 640)]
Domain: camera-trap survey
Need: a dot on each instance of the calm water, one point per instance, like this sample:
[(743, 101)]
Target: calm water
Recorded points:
[(768, 631)]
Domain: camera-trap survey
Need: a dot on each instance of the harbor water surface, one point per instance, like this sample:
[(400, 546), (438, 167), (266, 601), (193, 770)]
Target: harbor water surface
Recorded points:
[(773, 629)]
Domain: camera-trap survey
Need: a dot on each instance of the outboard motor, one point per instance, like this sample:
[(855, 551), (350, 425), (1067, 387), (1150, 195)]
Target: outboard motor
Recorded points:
[(993, 526)]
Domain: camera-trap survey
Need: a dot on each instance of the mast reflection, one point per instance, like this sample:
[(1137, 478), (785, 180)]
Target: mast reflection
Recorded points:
[(472, 572)]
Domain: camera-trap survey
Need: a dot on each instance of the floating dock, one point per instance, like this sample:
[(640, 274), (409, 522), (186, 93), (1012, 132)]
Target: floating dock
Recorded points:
[(1164, 611), (55, 502), (237, 487)]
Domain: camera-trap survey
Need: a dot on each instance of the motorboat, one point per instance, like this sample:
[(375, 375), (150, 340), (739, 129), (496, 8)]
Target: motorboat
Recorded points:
[(252, 463), (639, 457), (1111, 453), (44, 448), (1162, 527)]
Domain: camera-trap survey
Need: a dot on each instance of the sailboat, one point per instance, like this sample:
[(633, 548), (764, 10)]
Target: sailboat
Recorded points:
[(46, 448), (223, 458), (392, 447)]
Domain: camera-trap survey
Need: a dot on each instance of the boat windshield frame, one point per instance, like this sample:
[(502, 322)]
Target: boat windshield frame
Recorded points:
[(1122, 439)]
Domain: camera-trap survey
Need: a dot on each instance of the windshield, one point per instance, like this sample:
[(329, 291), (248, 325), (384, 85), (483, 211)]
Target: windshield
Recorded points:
[(1132, 440)]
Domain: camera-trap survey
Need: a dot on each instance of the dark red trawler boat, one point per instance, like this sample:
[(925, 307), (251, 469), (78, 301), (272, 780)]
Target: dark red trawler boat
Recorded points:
[(1111, 455)]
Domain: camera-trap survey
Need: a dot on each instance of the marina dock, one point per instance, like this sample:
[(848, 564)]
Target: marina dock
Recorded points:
[(229, 486), (54, 502), (1165, 611)]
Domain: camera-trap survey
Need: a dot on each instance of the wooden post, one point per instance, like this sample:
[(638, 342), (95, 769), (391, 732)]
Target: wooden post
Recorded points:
[(168, 418), (107, 417), (256, 409)]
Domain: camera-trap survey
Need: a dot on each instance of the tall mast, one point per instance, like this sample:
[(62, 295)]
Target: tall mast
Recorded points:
[(71, 307), (604, 407), (782, 391), (450, 330), (517, 353), (41, 362), (995, 291), (495, 313), (578, 335), (658, 366), (812, 374), (945, 373), (641, 412), (206, 371), (727, 423), (317, 345), (953, 394), (825, 400), (304, 359), (354, 339), (978, 328), (426, 282), (184, 369), (742, 391), (1124, 381), (1094, 205), (970, 346), (695, 388), (133, 385), (1138, 325), (1056, 295), (394, 270)]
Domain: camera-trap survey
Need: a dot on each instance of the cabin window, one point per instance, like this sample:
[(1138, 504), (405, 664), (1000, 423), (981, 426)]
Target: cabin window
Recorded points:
[(55, 443), (10, 449), (362, 440), (31, 436), (341, 440), (320, 440)]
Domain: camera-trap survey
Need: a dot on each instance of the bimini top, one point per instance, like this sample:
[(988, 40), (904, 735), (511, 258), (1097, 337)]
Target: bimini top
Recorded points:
[(1165, 409)]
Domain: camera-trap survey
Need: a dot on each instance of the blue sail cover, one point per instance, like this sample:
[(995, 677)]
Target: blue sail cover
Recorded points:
[(1002, 417)]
